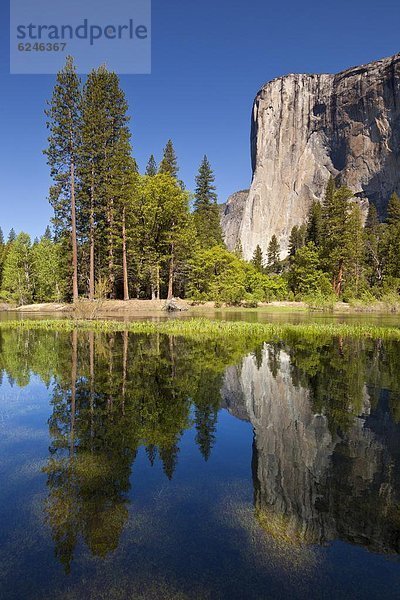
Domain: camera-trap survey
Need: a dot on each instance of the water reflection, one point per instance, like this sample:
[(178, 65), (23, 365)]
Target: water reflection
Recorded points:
[(326, 449), (325, 415)]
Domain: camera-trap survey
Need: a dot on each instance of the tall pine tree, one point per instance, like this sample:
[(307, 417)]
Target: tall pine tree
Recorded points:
[(258, 259), (206, 211), (274, 253), (107, 172), (169, 163), (393, 237), (151, 168), (64, 123)]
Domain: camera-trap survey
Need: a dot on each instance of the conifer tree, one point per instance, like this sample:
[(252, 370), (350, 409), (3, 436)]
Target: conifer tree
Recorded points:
[(64, 123), (1, 237), (274, 252), (314, 224), (169, 163), (258, 259), (393, 237), (47, 233), (296, 239), (354, 269), (151, 168), (107, 172), (335, 250), (238, 251), (11, 236), (206, 210), (374, 247)]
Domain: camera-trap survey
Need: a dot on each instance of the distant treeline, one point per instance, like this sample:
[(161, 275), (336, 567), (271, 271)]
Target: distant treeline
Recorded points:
[(119, 234)]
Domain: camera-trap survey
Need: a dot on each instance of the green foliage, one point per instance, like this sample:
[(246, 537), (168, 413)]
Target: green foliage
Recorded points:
[(151, 168), (169, 163), (314, 224), (217, 274), (305, 276), (274, 252), (45, 268), (392, 240), (206, 211), (296, 239), (17, 274), (258, 259), (207, 329)]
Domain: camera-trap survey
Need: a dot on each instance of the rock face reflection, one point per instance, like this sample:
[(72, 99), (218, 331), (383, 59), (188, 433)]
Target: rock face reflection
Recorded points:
[(312, 483)]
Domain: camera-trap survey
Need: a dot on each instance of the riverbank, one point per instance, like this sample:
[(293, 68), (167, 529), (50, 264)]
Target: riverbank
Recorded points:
[(208, 329), (143, 308)]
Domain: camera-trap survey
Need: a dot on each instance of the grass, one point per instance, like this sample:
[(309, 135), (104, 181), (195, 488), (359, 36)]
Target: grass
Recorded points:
[(208, 329)]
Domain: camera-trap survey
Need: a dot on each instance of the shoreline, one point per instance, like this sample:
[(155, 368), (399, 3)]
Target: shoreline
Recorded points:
[(132, 308)]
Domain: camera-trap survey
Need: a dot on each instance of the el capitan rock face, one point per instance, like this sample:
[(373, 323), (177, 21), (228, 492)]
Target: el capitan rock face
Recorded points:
[(308, 127)]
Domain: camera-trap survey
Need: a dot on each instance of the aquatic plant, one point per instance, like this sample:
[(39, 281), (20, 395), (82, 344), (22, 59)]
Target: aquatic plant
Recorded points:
[(209, 329)]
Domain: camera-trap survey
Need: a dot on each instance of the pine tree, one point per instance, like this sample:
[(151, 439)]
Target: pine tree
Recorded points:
[(354, 269), (238, 250), (47, 234), (393, 210), (335, 250), (392, 242), (11, 236), (314, 224), (64, 123), (206, 210), (274, 252), (296, 239), (1, 237), (151, 168), (374, 248), (107, 172), (258, 259), (305, 275), (169, 163)]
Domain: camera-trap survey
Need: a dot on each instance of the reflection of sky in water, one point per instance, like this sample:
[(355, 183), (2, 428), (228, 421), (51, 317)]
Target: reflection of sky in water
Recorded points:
[(194, 536)]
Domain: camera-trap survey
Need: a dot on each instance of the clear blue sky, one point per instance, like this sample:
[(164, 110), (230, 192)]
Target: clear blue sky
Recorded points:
[(209, 60)]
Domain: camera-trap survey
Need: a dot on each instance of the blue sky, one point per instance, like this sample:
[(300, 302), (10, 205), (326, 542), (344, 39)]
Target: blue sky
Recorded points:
[(209, 59)]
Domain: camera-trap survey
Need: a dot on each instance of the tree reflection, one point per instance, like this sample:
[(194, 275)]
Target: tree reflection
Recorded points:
[(325, 413), (326, 451)]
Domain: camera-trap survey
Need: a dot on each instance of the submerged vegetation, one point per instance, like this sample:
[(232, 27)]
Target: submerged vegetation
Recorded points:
[(206, 328)]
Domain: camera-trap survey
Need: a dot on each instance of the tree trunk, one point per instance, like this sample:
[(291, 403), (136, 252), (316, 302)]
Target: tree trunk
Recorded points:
[(124, 261), (111, 275), (91, 235), (338, 281), (157, 282), (171, 275), (73, 236)]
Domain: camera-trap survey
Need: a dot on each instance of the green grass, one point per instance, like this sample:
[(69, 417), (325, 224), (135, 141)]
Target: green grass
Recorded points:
[(207, 329)]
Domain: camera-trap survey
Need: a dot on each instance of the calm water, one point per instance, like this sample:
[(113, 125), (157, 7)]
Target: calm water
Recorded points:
[(154, 467)]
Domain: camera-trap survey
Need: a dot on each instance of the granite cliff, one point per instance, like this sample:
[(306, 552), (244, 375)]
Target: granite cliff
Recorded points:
[(306, 128)]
